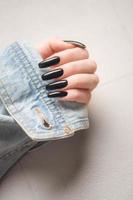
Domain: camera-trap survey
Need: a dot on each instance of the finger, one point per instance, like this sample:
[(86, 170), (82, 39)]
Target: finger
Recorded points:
[(51, 46), (70, 55), (82, 81), (76, 67), (77, 81), (77, 95)]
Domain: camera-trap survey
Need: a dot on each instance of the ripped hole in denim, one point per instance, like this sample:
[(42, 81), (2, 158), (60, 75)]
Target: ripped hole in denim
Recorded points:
[(42, 118)]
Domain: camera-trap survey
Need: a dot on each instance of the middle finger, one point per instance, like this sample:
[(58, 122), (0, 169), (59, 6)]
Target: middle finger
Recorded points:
[(68, 69), (81, 81)]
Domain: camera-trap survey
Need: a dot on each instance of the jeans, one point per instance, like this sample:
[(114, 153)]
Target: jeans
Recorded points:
[(28, 118)]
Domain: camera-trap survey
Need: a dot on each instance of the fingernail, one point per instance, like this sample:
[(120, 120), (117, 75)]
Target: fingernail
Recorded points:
[(53, 74), (76, 43), (56, 85), (49, 62), (57, 94)]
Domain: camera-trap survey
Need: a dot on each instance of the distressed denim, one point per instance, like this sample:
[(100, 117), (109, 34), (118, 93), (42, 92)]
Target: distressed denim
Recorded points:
[(28, 117)]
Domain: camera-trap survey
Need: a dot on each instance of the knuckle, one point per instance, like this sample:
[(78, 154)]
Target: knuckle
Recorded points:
[(96, 79), (87, 97), (72, 55), (94, 64), (84, 52), (74, 68), (77, 82), (76, 94)]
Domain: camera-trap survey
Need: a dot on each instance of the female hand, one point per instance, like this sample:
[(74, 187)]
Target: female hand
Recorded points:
[(71, 69)]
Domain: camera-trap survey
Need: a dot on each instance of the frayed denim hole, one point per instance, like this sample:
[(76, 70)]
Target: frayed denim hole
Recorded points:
[(43, 120)]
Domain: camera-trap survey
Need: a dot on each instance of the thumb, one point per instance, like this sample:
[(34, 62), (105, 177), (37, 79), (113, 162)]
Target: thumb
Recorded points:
[(51, 46)]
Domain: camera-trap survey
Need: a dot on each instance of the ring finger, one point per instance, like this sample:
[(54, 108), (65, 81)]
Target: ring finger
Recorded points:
[(81, 81), (78, 95)]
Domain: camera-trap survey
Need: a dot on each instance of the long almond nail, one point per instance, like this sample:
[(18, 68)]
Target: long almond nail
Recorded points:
[(53, 74), (57, 94), (49, 62)]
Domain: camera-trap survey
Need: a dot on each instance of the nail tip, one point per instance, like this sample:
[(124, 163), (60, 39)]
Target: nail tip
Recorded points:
[(43, 77), (49, 62), (53, 74), (39, 65), (57, 94), (47, 87), (57, 85), (76, 43)]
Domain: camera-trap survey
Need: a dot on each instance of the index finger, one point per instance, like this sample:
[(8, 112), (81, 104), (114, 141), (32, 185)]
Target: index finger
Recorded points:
[(55, 45)]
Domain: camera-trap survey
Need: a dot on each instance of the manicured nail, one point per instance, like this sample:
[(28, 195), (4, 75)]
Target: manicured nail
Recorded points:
[(76, 43), (57, 94), (49, 62), (53, 74), (57, 85)]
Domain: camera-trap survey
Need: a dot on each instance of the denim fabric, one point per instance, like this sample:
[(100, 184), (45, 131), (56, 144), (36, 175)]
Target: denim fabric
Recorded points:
[(14, 143), (27, 115)]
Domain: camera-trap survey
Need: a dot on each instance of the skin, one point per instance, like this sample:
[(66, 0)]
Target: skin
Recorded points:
[(79, 69)]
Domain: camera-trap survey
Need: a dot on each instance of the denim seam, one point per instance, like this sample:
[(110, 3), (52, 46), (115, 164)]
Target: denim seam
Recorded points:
[(6, 95), (81, 127), (7, 104)]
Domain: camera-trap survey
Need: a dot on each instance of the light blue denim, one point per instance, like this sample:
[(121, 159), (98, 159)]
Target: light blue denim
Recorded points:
[(28, 117)]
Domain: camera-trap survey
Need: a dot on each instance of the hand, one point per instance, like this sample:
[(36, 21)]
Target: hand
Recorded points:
[(72, 71)]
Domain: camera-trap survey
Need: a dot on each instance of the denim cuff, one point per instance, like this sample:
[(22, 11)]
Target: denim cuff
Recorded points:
[(24, 95)]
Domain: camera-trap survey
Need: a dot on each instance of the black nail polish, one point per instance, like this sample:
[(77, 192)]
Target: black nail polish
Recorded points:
[(57, 94), (76, 43), (49, 62), (57, 85), (53, 74)]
